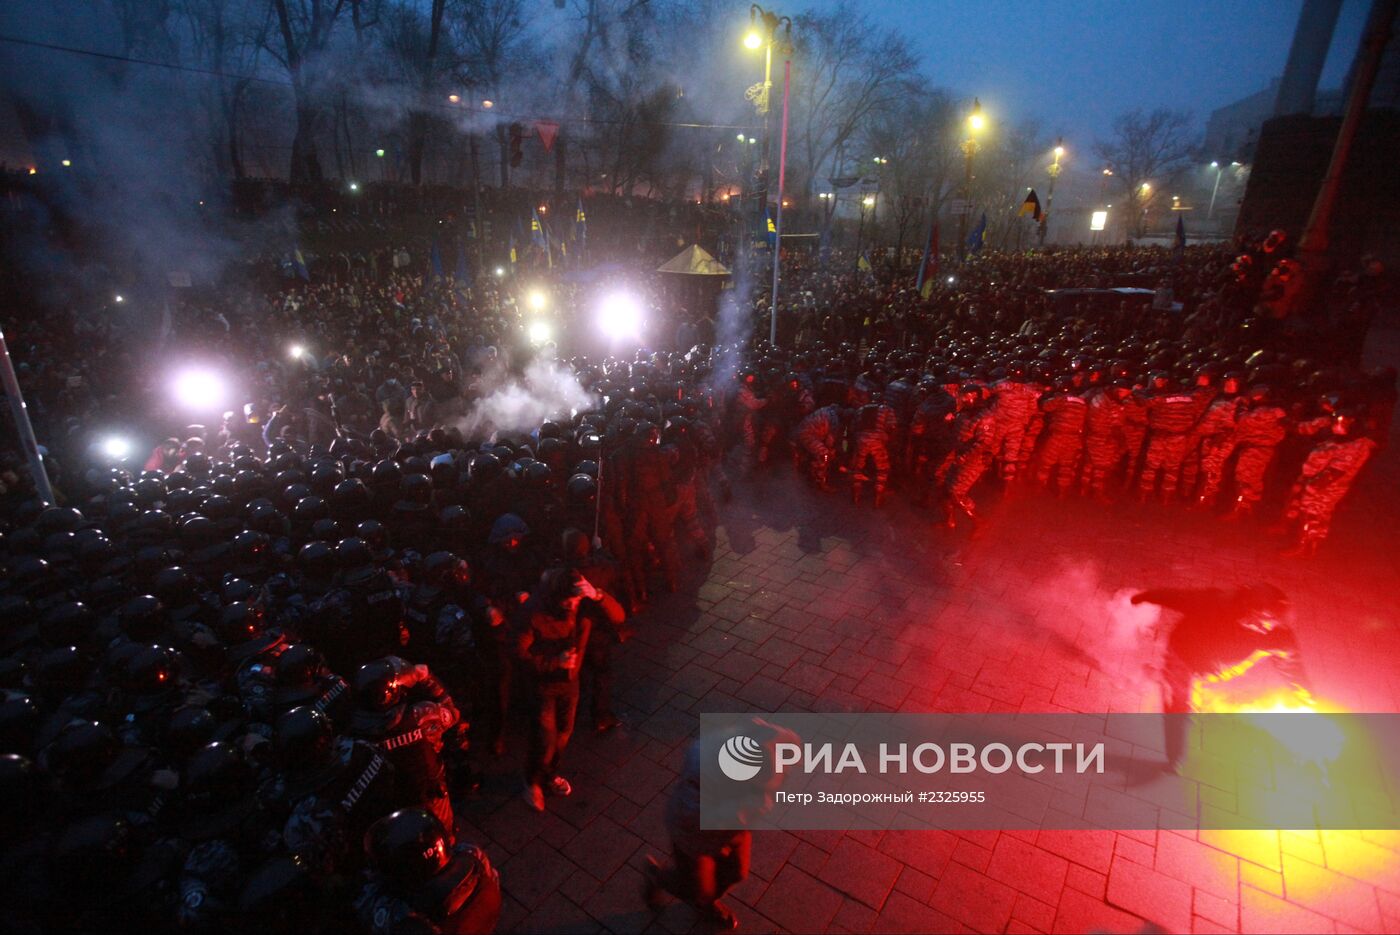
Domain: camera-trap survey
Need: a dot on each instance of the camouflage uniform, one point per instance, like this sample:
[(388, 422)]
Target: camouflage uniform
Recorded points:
[(977, 441), (1104, 443), (1213, 441), (1327, 475), (1013, 407), (1256, 438), (876, 426), (1170, 416), (1065, 416), (816, 440)]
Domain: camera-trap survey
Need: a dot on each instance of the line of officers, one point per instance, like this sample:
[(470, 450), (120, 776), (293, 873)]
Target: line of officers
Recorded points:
[(238, 694), (1206, 440)]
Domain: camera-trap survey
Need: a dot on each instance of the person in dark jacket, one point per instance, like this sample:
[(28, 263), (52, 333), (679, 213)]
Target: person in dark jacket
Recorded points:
[(553, 639), (1220, 636)]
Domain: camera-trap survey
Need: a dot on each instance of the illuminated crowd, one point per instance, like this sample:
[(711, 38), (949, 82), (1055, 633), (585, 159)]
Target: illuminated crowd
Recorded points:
[(340, 542)]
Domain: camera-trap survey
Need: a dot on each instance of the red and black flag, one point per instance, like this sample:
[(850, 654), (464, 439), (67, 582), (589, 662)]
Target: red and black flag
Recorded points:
[(1031, 205)]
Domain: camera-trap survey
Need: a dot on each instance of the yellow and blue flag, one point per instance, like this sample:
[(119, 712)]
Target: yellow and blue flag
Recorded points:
[(299, 262), (976, 238)]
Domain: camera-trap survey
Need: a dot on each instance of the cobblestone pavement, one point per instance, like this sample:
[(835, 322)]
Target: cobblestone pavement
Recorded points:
[(813, 605)]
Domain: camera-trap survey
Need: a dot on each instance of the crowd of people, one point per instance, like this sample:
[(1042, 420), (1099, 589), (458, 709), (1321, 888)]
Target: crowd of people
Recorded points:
[(246, 680)]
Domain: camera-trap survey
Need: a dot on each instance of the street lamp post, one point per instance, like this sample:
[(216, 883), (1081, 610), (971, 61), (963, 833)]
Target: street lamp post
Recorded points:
[(771, 22), (975, 123), (1054, 173), (1210, 213)]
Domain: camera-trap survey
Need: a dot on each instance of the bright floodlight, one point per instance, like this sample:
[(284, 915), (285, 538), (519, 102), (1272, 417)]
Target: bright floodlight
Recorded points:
[(950, 279), (116, 447), (354, 186), (1098, 220), (119, 298), (536, 299), (199, 389), (620, 317), (540, 332), (296, 351), (753, 40), (500, 271), (1214, 164)]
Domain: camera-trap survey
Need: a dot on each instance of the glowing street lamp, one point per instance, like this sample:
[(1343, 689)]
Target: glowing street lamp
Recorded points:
[(536, 299), (454, 98), (1215, 189), (763, 21), (868, 201), (296, 352), (487, 105), (1054, 172), (354, 186), (500, 271), (976, 123), (66, 163), (379, 153), (119, 298)]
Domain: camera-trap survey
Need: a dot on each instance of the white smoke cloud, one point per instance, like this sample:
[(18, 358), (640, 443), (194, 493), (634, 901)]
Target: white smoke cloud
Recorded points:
[(547, 389), (1100, 625)]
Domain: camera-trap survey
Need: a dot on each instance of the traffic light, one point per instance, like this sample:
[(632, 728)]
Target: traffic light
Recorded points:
[(517, 145)]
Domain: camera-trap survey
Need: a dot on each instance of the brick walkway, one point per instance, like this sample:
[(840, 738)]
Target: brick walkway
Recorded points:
[(811, 605)]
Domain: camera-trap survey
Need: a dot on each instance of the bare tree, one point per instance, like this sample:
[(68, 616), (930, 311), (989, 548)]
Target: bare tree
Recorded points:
[(1146, 148), (489, 36), (304, 32), (844, 70), (225, 37), (918, 141), (418, 44)]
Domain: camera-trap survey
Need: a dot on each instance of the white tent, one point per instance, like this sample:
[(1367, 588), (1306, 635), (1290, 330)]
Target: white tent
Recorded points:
[(694, 260)]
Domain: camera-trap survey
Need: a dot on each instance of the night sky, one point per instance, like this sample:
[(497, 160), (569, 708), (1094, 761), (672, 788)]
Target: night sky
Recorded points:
[(1075, 65)]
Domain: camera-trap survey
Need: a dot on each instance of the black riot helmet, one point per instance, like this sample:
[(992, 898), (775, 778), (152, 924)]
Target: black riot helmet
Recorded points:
[(443, 569), (350, 495), (378, 685), (304, 738), (142, 618), (408, 846)]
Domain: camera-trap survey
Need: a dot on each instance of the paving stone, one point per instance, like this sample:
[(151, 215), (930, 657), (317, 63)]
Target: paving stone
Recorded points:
[(799, 902), (1264, 912), (860, 872), (973, 899), (1028, 869), (1144, 892)]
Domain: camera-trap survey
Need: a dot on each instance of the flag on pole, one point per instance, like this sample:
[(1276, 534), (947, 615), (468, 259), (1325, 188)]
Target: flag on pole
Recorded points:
[(299, 262), (537, 235), (974, 239), (512, 249), (1031, 206), (863, 264), (927, 271), (463, 274), (772, 230), (436, 260), (580, 224)]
